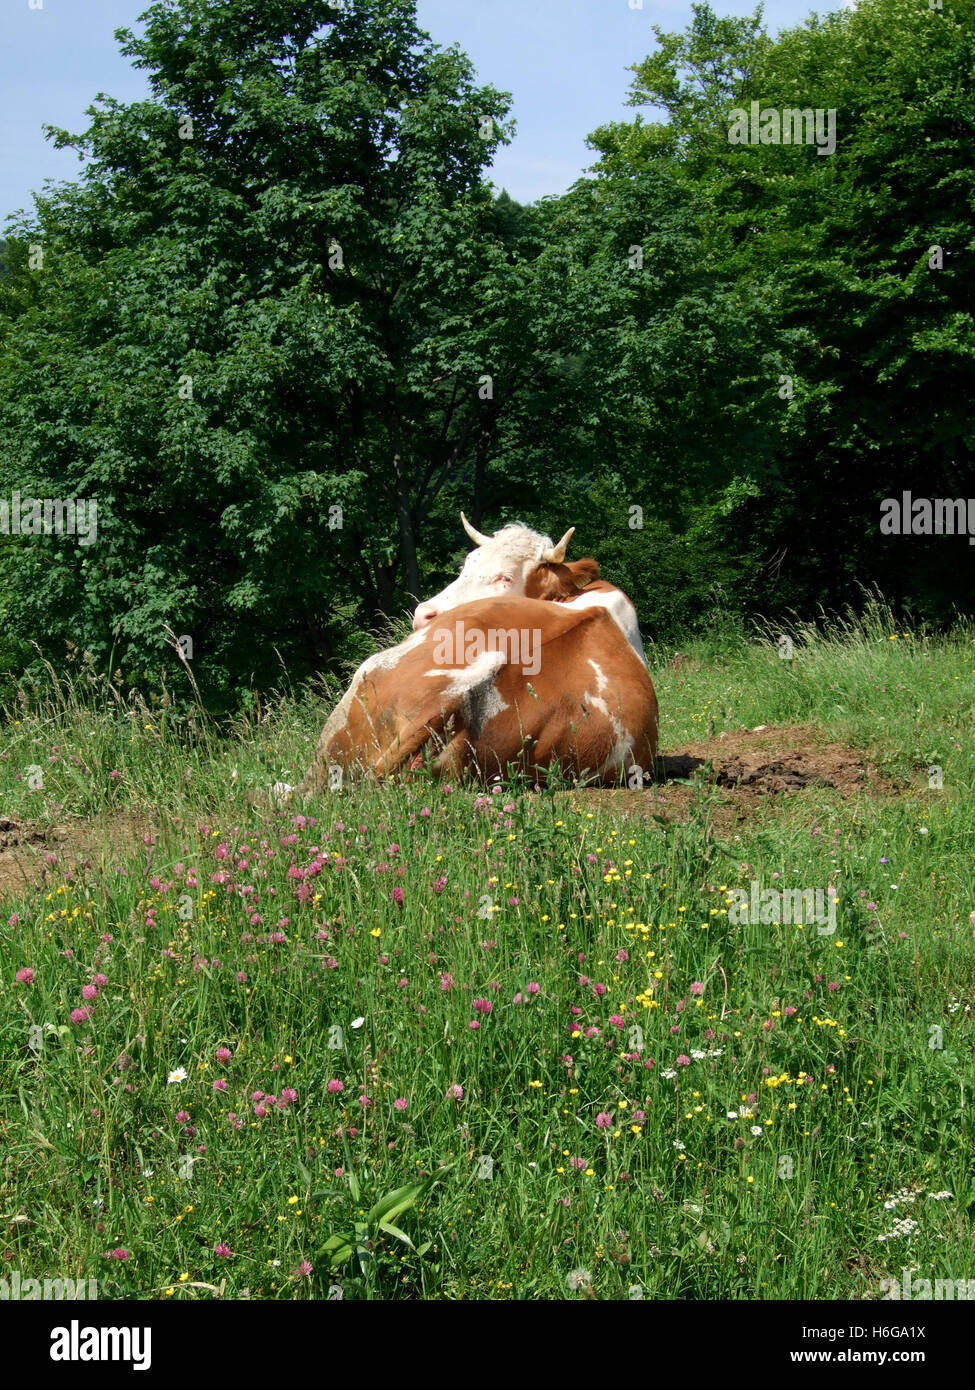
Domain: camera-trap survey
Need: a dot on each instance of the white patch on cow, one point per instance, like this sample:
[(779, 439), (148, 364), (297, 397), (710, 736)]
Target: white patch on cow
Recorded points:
[(597, 702), (474, 687), (485, 667), (386, 660), (601, 681), (620, 609), (479, 706), (379, 661), (621, 754)]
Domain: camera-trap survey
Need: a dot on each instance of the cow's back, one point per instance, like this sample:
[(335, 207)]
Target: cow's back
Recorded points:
[(590, 705)]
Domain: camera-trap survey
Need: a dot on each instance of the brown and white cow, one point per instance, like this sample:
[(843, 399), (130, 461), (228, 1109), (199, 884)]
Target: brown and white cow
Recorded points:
[(502, 681)]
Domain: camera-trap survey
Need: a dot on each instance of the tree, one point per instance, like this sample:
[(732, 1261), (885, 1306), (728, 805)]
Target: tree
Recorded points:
[(277, 292), (859, 265)]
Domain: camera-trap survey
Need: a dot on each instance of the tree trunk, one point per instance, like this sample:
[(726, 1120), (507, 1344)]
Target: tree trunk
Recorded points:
[(385, 588), (480, 469), (406, 536)]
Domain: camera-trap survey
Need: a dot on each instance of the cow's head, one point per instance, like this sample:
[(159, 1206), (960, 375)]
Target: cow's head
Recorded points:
[(518, 562)]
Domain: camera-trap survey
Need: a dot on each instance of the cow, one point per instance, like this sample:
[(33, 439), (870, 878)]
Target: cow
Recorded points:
[(518, 666)]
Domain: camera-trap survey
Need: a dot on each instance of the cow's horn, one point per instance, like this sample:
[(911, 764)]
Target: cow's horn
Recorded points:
[(556, 555), (476, 536)]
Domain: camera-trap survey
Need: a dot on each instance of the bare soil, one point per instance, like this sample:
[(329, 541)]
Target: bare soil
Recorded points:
[(748, 771), (77, 844)]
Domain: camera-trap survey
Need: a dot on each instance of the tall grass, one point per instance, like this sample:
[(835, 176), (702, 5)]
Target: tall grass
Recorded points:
[(660, 1101)]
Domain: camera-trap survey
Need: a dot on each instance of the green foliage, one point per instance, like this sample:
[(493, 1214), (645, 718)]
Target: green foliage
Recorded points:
[(239, 323), (877, 346), (380, 1220), (283, 297)]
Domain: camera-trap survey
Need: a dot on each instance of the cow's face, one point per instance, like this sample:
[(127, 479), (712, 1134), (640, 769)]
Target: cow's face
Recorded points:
[(500, 564)]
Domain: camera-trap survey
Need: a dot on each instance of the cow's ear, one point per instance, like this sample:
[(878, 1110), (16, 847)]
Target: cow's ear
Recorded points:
[(584, 572)]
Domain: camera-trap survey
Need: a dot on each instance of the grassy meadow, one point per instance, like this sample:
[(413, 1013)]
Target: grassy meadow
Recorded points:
[(447, 1042)]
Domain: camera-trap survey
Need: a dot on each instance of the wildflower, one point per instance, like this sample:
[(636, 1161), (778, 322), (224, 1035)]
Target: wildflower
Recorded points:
[(400, 1103), (223, 1054), (222, 1250), (683, 1060), (175, 1077), (25, 977), (335, 1086), (83, 1015), (455, 1092), (697, 987), (603, 1120), (578, 1279)]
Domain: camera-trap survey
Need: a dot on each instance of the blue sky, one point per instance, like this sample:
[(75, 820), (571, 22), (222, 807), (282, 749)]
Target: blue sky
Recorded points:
[(564, 61)]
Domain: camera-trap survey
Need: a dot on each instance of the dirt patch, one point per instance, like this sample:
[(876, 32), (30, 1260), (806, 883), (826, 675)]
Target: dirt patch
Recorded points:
[(750, 770), (24, 847)]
